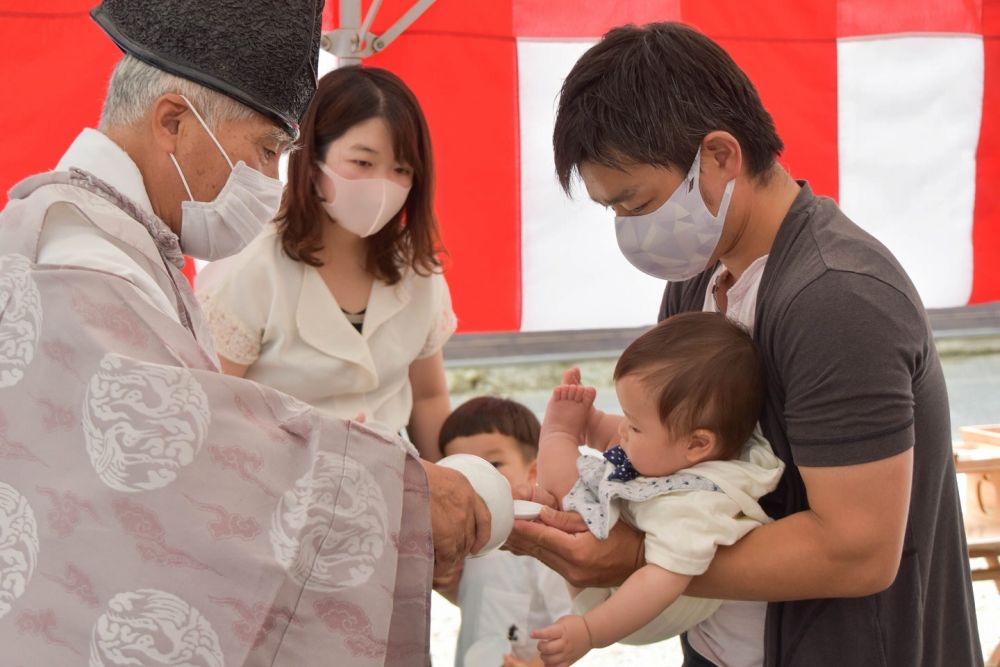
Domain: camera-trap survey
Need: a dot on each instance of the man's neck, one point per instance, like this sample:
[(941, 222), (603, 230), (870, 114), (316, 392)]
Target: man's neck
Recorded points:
[(129, 140), (767, 210)]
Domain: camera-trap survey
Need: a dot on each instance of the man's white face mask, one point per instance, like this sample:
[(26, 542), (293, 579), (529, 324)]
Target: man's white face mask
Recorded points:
[(222, 227), (676, 241)]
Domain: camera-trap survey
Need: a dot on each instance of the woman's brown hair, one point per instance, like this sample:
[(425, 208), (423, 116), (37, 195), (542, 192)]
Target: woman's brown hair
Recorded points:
[(345, 97)]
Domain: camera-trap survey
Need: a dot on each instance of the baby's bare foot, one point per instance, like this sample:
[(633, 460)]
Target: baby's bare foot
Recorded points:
[(571, 376), (569, 410)]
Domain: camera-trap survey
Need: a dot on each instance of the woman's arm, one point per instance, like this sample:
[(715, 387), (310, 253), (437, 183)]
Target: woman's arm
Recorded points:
[(431, 404), (233, 368)]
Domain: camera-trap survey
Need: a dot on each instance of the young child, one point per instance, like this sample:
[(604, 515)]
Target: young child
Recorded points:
[(500, 593), (686, 468)]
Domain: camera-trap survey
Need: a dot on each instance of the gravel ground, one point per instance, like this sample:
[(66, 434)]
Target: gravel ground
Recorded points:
[(974, 391)]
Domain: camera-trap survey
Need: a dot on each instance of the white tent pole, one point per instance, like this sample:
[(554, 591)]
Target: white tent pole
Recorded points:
[(351, 42), (404, 22), (369, 17)]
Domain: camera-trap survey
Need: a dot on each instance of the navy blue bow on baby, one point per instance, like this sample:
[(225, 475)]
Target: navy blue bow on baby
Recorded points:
[(623, 467)]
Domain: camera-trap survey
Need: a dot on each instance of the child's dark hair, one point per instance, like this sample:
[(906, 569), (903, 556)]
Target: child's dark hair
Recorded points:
[(491, 414), (706, 372)]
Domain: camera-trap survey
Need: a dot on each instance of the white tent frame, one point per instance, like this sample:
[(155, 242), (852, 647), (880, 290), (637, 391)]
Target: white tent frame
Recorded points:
[(352, 41)]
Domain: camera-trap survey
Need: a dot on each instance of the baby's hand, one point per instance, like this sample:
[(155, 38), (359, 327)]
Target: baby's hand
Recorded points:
[(564, 642)]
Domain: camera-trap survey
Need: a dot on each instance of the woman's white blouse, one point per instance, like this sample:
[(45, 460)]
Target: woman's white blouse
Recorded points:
[(278, 317)]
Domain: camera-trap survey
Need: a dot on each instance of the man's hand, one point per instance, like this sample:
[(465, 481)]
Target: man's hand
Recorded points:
[(446, 582), (564, 642), (561, 541), (459, 518)]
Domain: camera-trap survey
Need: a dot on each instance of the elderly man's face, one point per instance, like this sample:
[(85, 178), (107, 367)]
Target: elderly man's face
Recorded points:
[(257, 141)]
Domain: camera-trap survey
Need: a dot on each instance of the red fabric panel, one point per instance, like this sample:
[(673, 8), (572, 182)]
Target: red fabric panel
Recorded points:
[(190, 269), (479, 18), (986, 219), (330, 15), (867, 17), (49, 8), (789, 51), (467, 86), (570, 18), (55, 64)]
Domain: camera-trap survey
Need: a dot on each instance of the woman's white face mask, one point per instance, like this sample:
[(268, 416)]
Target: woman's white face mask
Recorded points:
[(222, 227), (363, 206)]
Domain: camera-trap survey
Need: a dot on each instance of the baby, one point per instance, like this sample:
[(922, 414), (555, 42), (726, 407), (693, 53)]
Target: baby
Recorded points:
[(684, 465)]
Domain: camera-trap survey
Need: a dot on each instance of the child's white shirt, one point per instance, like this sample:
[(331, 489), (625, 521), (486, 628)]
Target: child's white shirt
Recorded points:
[(508, 596)]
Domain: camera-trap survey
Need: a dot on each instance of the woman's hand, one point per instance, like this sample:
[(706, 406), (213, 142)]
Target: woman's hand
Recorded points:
[(459, 518), (561, 541)]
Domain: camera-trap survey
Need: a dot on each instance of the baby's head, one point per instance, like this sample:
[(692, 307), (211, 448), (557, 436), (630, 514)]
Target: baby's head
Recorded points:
[(692, 389), (502, 431)]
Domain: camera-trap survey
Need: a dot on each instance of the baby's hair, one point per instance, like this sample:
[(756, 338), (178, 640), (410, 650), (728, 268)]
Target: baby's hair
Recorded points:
[(491, 414), (705, 371)]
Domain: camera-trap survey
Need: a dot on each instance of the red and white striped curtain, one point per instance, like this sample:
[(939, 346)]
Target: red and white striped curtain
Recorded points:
[(890, 106)]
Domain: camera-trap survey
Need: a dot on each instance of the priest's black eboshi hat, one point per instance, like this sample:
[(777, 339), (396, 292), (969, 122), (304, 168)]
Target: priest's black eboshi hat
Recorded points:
[(262, 53)]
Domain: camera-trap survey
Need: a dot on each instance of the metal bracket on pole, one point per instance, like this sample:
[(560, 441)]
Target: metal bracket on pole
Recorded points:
[(352, 41)]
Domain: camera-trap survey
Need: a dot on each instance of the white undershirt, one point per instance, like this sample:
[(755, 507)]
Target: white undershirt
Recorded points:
[(734, 635)]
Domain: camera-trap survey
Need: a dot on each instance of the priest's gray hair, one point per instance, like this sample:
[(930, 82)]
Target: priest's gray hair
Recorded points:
[(135, 86)]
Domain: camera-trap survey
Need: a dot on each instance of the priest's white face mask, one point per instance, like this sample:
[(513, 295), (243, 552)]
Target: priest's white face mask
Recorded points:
[(222, 227)]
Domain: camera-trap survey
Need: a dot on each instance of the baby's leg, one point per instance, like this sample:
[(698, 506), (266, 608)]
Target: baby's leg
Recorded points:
[(562, 433), (602, 429)]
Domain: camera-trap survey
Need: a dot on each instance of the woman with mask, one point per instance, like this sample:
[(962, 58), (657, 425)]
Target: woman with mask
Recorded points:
[(341, 303)]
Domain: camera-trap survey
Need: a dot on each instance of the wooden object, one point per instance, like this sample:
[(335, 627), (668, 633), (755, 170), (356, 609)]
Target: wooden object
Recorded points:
[(978, 457)]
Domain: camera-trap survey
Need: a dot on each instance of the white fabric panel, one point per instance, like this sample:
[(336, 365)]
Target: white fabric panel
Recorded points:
[(573, 276), (909, 114)]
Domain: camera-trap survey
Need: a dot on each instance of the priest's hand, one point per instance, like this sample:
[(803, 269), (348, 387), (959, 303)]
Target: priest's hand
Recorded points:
[(459, 518), (561, 541), (446, 582)]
